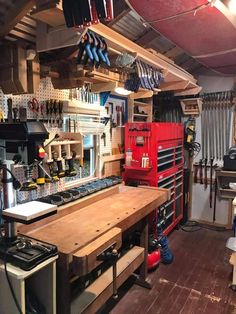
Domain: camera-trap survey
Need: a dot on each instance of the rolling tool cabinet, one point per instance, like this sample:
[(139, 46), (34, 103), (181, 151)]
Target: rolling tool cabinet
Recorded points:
[(163, 144)]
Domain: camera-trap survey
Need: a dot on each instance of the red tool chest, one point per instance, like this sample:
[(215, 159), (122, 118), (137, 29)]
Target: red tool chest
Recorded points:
[(163, 144)]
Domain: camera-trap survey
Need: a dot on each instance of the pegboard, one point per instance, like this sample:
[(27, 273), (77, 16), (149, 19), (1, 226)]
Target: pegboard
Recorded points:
[(44, 92), (47, 92)]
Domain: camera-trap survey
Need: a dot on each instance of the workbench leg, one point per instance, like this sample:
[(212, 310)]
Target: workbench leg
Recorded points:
[(141, 280), (63, 286)]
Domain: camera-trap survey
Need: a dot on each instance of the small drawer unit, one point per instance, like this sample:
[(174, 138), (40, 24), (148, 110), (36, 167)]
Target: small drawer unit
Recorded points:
[(162, 144)]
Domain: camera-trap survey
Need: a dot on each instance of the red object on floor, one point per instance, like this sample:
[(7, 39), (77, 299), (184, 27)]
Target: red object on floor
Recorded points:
[(153, 259)]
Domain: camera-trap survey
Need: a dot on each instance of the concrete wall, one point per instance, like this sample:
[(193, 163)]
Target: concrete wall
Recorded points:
[(200, 205)]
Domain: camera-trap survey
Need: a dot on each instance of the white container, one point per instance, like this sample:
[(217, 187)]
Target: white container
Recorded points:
[(129, 157)]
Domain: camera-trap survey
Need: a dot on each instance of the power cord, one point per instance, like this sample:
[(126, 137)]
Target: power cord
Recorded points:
[(193, 226), (16, 185), (194, 148), (10, 284)]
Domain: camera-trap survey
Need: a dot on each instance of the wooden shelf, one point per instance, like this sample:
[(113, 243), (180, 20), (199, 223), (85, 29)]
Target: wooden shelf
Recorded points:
[(137, 168), (113, 157), (226, 173), (91, 299), (55, 143), (141, 104), (175, 78), (227, 193), (146, 108), (140, 115)]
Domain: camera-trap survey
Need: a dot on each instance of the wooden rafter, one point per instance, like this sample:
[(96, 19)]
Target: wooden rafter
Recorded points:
[(14, 15)]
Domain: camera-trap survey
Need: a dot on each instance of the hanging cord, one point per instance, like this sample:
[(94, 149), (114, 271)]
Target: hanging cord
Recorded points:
[(10, 284), (193, 226), (194, 11)]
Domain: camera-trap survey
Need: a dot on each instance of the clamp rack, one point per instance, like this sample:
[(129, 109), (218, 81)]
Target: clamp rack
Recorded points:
[(163, 143)]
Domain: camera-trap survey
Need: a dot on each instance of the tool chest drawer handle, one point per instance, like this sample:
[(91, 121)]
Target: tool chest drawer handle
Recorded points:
[(178, 196), (164, 156), (178, 158), (165, 163), (163, 179), (167, 183), (166, 149), (178, 185)]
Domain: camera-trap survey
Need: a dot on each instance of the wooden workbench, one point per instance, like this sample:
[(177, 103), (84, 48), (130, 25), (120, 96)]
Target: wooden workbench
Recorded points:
[(76, 230)]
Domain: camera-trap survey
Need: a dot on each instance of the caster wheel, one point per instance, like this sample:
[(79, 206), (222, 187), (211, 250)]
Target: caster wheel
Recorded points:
[(233, 287)]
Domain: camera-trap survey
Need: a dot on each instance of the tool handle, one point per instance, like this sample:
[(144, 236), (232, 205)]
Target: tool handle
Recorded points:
[(100, 55), (205, 174), (114, 273), (95, 19), (41, 176), (211, 168), (88, 51), (201, 174), (110, 10), (77, 12), (68, 13), (215, 195), (101, 9), (195, 173), (9, 106)]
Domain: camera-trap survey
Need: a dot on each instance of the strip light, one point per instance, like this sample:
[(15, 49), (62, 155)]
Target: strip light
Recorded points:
[(232, 6)]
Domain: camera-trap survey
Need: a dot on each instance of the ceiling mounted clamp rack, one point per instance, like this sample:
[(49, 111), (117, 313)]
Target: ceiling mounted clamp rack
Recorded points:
[(175, 78)]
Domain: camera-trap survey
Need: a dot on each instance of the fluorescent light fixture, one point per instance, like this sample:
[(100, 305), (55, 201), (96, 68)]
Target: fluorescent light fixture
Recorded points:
[(122, 91), (232, 6)]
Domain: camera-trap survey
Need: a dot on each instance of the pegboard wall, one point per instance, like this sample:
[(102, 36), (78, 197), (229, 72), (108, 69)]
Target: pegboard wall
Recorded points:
[(47, 92), (44, 92)]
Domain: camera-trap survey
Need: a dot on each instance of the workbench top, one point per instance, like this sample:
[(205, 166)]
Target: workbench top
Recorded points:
[(123, 209)]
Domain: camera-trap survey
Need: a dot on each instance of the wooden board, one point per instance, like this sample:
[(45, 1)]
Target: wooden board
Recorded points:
[(13, 69), (84, 261), (98, 292), (124, 209)]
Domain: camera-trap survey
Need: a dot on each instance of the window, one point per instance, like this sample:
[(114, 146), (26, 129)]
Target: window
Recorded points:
[(88, 168)]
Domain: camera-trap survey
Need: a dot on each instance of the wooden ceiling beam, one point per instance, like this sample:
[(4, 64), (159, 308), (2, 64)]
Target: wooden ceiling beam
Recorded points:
[(14, 15)]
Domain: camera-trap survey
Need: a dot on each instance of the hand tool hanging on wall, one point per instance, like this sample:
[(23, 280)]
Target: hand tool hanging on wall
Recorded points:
[(216, 126), (211, 144), (71, 162), (9, 112), (207, 144), (215, 198), (86, 12), (200, 171)]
